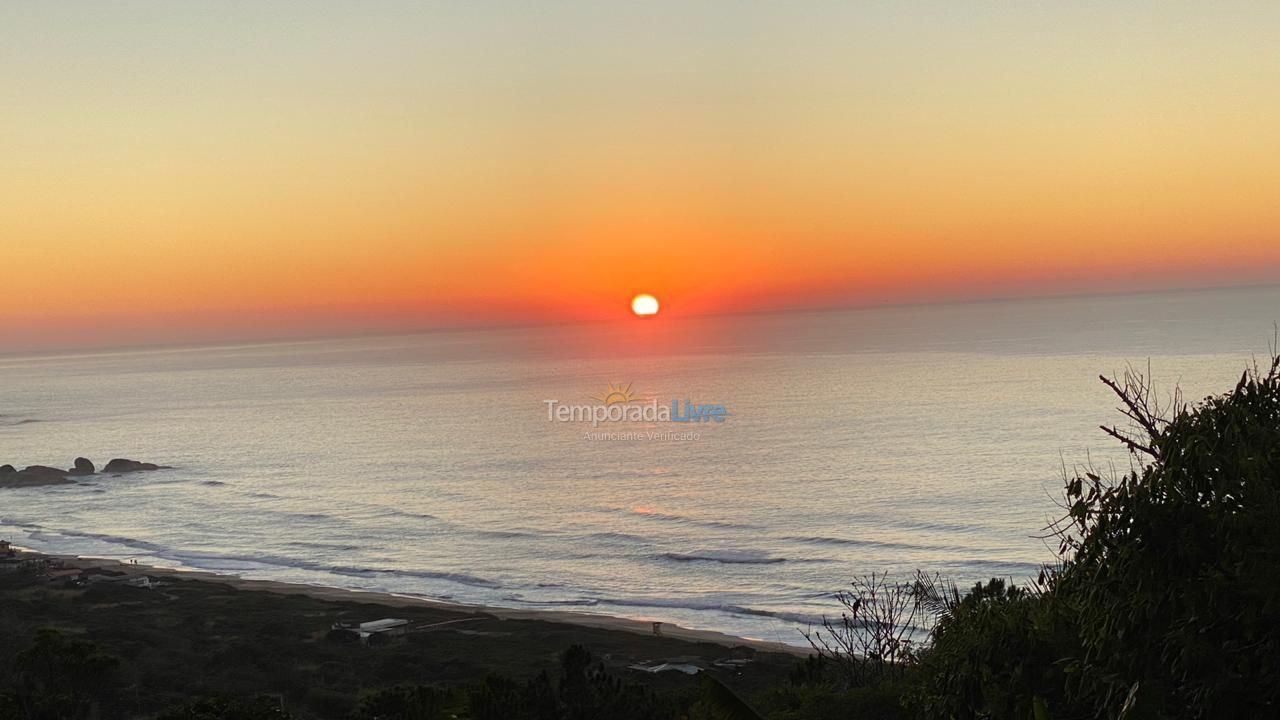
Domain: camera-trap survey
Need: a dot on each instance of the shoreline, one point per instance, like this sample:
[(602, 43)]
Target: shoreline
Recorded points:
[(596, 621)]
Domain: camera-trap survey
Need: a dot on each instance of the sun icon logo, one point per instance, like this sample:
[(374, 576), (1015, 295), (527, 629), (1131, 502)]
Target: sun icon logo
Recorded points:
[(617, 394)]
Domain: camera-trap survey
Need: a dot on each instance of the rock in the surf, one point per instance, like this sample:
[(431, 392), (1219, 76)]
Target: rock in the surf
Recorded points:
[(124, 465), (83, 466)]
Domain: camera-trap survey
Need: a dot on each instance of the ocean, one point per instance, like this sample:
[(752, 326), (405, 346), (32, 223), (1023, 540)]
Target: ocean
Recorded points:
[(436, 465)]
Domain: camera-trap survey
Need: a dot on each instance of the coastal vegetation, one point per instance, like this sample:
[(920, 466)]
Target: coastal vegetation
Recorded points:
[(202, 648), (1163, 603)]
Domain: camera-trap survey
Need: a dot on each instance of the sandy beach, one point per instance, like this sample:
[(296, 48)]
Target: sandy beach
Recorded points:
[(391, 600), (180, 634)]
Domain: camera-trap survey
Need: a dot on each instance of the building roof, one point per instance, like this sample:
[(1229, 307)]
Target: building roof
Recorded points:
[(374, 626)]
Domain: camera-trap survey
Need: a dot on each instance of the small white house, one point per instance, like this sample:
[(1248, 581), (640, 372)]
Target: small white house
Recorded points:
[(387, 627)]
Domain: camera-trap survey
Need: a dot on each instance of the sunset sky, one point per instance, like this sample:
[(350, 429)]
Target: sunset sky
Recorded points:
[(188, 172)]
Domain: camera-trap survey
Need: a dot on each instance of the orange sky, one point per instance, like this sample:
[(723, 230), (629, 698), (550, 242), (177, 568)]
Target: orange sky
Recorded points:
[(178, 173)]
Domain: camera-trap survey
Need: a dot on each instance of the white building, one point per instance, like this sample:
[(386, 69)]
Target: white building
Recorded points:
[(388, 627)]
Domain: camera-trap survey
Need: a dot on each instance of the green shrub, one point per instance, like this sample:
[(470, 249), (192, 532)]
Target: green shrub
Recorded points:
[(997, 653), (1175, 569), (63, 677)]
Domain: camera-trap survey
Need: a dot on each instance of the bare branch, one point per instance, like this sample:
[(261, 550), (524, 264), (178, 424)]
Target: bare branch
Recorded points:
[(1136, 396), (875, 635), (1132, 444)]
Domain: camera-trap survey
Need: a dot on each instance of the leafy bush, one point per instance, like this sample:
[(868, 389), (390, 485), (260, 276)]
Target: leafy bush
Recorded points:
[(62, 677), (997, 653), (1166, 601), (1174, 570)]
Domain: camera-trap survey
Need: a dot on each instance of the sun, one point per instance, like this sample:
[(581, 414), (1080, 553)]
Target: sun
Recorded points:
[(644, 305)]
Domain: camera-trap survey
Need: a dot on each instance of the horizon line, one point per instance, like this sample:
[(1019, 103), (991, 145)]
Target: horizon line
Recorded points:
[(252, 341)]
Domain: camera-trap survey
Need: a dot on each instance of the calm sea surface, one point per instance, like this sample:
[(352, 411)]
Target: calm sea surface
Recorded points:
[(929, 437)]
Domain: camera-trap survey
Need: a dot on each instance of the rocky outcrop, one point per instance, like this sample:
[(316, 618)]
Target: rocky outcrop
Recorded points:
[(124, 465), (31, 476), (42, 470), (34, 475)]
